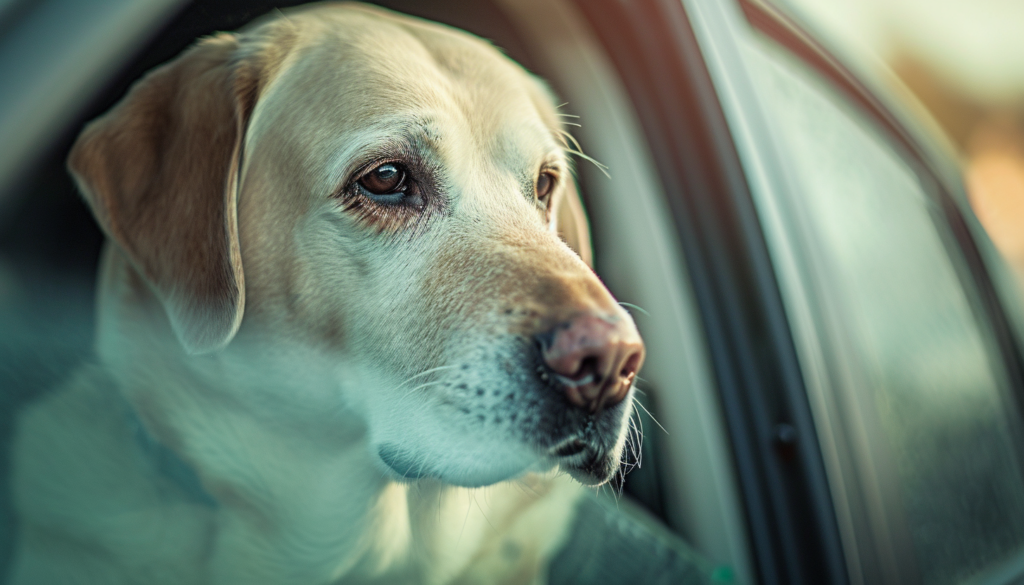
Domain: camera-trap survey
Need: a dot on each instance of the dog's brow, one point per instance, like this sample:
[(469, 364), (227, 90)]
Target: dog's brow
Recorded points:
[(430, 129), (394, 137), (426, 138)]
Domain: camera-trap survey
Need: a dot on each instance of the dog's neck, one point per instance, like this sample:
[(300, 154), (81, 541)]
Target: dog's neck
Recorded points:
[(299, 495), (291, 489), (294, 509)]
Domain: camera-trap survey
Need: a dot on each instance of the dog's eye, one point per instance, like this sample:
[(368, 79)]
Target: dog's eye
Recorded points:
[(545, 184), (386, 179)]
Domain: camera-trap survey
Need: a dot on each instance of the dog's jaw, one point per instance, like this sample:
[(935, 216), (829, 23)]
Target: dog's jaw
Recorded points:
[(288, 520), (470, 423), (296, 396)]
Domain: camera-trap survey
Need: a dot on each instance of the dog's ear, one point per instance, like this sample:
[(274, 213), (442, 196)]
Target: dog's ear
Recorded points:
[(160, 172), (571, 221)]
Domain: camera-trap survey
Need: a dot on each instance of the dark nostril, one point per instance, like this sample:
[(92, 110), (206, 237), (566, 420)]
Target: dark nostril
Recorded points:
[(630, 368), (588, 367), (616, 390), (545, 340)]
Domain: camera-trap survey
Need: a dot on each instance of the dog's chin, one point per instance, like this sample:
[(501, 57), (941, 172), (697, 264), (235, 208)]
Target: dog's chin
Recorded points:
[(592, 467), (418, 441), (407, 466)]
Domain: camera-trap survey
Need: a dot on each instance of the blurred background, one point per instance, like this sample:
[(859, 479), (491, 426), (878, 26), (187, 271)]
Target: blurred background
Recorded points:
[(963, 63)]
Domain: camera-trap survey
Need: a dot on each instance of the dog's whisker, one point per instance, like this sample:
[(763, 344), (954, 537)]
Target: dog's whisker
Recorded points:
[(420, 467), (601, 167), (568, 140), (572, 146), (482, 513), (626, 464), (638, 428), (421, 387), (633, 440), (384, 474), (639, 380), (634, 448), (283, 16), (640, 404), (635, 307), (424, 373), (577, 149), (469, 508), (521, 484)]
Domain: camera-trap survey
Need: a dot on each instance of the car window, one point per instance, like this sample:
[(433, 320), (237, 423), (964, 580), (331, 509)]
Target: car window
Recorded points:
[(916, 381)]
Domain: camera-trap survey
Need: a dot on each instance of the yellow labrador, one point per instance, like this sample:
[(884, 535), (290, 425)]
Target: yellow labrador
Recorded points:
[(347, 329)]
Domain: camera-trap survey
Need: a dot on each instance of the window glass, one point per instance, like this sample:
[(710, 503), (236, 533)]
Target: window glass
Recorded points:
[(922, 394)]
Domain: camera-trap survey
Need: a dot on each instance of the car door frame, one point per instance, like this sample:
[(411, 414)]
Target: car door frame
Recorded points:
[(719, 28), (654, 46)]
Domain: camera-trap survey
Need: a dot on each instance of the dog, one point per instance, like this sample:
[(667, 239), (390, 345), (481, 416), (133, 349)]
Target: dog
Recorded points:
[(347, 327)]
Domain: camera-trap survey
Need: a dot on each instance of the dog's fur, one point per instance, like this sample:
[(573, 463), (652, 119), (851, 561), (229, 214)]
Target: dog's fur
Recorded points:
[(376, 415)]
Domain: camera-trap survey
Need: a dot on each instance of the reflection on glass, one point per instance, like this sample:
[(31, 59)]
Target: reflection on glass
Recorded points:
[(919, 369)]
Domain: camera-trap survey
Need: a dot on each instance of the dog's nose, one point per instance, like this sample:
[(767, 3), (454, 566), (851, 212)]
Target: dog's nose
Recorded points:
[(594, 358)]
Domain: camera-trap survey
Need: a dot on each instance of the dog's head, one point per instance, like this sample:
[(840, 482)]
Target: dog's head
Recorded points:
[(394, 198)]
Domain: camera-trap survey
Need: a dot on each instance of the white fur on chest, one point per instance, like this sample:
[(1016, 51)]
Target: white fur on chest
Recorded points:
[(288, 512)]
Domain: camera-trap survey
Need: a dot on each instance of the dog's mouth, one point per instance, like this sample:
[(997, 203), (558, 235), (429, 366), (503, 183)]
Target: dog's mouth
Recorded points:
[(403, 464), (570, 448), (409, 466), (587, 461), (477, 425)]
